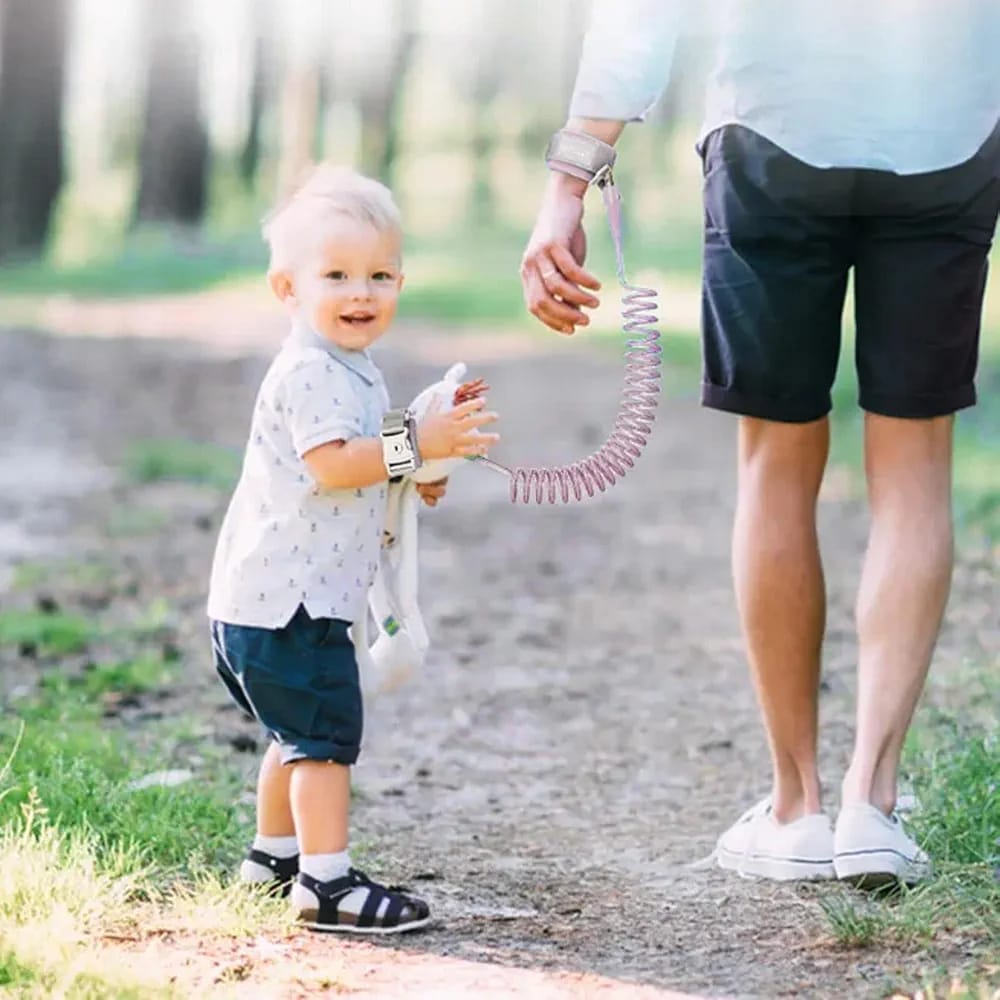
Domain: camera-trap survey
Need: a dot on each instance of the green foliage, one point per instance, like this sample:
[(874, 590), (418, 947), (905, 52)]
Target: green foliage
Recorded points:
[(150, 266), (956, 777), (80, 769), (50, 634), (954, 769), (187, 461)]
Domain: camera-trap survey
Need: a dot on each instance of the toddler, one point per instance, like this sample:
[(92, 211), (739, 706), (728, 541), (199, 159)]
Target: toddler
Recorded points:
[(299, 545)]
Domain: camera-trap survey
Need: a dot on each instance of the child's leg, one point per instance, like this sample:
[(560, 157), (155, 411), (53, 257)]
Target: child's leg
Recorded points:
[(274, 810), (330, 894), (320, 803), (273, 856)]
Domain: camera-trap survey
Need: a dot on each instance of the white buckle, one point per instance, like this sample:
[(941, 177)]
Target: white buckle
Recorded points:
[(603, 176)]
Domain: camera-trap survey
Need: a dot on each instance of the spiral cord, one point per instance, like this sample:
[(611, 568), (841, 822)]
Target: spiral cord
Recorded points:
[(636, 409)]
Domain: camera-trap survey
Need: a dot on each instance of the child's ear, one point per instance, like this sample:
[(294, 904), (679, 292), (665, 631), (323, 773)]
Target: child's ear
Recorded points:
[(402, 281), (282, 285)]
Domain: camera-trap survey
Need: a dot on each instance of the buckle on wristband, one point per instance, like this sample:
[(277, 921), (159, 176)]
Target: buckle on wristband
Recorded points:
[(602, 177)]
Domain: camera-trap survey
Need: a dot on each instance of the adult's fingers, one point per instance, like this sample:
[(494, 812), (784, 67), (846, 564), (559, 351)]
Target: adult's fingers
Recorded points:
[(567, 264), (561, 316), (553, 277)]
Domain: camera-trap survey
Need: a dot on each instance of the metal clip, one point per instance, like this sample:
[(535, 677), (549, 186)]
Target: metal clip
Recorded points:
[(603, 176)]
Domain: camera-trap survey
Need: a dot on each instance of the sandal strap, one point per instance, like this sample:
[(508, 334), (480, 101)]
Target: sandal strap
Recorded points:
[(332, 892), (285, 869)]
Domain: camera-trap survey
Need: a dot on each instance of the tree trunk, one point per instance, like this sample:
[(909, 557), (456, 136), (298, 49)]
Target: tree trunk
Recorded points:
[(173, 157), (300, 96), (380, 102), (262, 72), (32, 71)]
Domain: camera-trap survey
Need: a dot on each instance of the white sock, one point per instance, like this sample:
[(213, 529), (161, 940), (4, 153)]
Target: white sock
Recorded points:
[(278, 847), (323, 868)]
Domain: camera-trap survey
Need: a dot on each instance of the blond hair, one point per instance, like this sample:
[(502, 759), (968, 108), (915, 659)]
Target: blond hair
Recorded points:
[(292, 229)]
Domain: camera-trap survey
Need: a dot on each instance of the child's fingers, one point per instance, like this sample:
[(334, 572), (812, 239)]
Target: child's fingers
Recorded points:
[(437, 489), (467, 409), (480, 419), (480, 443)]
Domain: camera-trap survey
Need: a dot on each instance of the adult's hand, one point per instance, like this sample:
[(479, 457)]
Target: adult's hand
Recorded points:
[(552, 275)]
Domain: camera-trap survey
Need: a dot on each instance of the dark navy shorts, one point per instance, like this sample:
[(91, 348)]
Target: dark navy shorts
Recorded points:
[(299, 681), (781, 237)]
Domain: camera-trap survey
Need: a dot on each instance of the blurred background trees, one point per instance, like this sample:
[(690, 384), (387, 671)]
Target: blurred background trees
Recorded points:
[(184, 116), (32, 72)]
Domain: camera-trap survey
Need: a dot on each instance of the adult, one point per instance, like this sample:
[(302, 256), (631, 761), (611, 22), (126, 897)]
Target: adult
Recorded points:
[(837, 136)]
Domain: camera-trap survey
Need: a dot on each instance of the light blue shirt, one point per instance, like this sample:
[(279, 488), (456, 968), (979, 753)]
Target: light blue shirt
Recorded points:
[(903, 85)]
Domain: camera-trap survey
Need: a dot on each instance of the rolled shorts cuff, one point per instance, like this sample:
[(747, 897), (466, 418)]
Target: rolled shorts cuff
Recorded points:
[(294, 749), (788, 410), (938, 404)]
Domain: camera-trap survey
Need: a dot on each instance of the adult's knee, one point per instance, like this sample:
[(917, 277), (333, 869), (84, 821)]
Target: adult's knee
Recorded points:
[(786, 459)]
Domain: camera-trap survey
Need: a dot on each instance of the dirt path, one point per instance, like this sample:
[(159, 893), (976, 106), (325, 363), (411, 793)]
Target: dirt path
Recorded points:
[(584, 728)]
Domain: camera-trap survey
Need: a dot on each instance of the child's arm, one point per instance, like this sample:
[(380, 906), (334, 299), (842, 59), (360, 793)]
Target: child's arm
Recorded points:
[(339, 465)]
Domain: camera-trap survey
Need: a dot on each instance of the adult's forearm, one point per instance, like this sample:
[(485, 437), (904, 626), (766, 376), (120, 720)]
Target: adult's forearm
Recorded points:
[(601, 128)]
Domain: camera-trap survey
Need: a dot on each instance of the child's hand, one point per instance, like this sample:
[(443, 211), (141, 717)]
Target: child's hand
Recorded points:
[(454, 434), (430, 493)]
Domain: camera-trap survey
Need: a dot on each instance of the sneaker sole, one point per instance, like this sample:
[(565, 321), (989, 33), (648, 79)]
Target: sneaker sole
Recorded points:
[(877, 867), (414, 925), (777, 869)]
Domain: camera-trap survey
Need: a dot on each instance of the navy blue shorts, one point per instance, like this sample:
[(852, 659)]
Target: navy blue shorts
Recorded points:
[(781, 237), (299, 681)]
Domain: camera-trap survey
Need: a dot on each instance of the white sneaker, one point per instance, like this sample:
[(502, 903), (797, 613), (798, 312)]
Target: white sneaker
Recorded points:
[(757, 844), (872, 847)]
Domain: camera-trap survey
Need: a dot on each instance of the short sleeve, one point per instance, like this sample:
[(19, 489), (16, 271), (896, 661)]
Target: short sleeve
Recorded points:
[(319, 404)]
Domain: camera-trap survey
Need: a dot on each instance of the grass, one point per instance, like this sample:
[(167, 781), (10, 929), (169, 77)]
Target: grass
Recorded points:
[(48, 634), (84, 856), (953, 766), (154, 461)]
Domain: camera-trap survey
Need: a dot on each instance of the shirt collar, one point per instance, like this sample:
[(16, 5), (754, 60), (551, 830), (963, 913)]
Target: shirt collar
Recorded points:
[(358, 362)]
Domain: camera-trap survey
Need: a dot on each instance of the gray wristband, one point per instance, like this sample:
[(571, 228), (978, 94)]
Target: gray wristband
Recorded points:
[(581, 155)]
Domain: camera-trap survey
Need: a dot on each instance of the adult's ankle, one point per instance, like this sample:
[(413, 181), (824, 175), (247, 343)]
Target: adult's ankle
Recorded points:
[(858, 790), (791, 803)]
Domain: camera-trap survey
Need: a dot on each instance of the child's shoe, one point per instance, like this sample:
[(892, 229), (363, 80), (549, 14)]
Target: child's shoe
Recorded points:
[(261, 868), (354, 904)]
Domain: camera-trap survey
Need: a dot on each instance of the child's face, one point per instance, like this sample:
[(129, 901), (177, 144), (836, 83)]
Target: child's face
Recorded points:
[(350, 288)]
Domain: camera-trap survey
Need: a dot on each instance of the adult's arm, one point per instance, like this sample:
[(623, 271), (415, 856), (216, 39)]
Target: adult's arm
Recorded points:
[(624, 68)]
